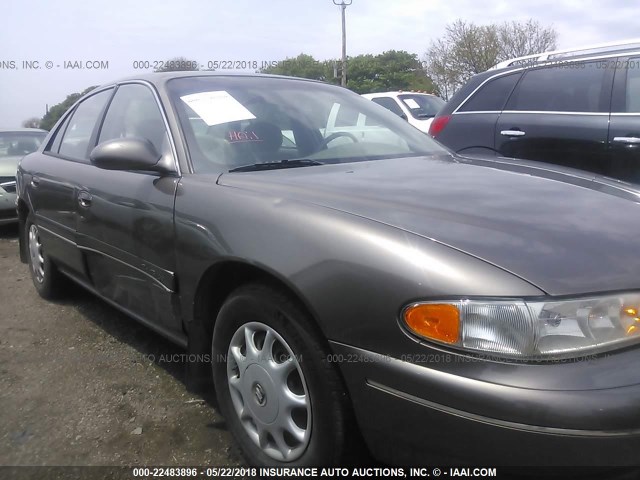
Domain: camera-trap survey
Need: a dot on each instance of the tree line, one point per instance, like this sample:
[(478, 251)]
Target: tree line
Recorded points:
[(465, 50)]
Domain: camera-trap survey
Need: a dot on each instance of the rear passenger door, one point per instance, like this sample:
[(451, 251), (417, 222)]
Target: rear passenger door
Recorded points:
[(624, 130), (472, 125), (53, 187), (559, 114)]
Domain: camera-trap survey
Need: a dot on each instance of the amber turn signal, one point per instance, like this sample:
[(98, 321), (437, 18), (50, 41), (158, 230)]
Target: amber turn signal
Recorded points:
[(435, 321)]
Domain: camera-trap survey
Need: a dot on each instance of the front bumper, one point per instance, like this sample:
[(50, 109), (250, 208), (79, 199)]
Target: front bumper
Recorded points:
[(415, 415), (8, 211)]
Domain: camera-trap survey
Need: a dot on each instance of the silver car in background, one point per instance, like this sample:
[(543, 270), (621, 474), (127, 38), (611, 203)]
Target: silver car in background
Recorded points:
[(14, 144)]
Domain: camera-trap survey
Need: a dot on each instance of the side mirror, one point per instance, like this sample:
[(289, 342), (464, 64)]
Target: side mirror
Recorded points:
[(403, 116), (132, 153)]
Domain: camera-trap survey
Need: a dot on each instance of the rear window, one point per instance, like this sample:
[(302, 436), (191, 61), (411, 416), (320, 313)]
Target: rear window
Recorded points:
[(422, 106), (19, 144), (633, 86), (76, 137), (569, 87), (493, 95)]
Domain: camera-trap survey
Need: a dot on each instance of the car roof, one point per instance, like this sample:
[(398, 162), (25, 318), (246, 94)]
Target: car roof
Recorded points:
[(22, 130), (498, 70), (158, 79), (608, 48)]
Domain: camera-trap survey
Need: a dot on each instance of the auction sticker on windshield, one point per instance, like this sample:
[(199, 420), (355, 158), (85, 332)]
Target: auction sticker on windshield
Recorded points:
[(216, 108)]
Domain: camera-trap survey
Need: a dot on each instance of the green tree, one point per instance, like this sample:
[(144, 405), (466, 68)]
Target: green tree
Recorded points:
[(390, 70), (440, 68), (53, 115), (467, 49), (526, 38), (179, 64), (302, 66)]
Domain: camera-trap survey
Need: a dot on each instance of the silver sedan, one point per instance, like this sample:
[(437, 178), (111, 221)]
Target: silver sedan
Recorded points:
[(14, 144)]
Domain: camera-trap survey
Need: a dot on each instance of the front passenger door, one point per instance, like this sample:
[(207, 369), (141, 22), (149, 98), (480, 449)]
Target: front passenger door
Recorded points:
[(624, 129), (125, 218)]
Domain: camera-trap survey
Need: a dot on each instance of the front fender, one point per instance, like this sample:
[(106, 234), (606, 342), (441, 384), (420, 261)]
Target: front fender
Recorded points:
[(354, 274)]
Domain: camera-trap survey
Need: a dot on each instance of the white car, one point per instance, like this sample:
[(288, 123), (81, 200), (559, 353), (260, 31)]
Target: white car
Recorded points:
[(415, 107), (14, 144)]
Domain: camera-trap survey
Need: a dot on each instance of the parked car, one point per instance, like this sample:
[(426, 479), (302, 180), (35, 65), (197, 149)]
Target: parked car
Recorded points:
[(416, 107), (578, 108), (440, 308), (14, 144)]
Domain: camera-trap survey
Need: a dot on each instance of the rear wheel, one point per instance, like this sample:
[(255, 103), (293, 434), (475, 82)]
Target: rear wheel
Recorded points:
[(46, 278), (282, 400)]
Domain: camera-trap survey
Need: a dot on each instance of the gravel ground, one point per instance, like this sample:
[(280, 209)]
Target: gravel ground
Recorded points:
[(78, 386)]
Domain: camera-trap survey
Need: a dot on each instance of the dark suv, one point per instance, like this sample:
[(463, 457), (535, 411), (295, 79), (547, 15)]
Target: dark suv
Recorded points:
[(578, 108)]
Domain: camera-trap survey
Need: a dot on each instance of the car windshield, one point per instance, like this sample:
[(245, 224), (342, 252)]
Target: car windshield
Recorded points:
[(422, 106), (231, 122), (19, 144)]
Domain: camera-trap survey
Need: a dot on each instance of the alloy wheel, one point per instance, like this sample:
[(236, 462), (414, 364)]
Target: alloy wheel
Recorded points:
[(35, 252), (269, 392)]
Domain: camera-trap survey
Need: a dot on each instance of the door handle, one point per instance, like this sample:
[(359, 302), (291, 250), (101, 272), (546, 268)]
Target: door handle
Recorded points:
[(84, 199), (512, 133), (627, 140), (35, 182)]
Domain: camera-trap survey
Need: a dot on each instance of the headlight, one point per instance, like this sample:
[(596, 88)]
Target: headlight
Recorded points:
[(529, 330)]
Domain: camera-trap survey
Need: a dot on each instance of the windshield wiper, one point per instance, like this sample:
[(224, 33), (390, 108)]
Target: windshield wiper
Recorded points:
[(303, 162)]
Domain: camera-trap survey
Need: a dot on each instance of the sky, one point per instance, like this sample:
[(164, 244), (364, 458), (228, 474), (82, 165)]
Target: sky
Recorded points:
[(119, 34)]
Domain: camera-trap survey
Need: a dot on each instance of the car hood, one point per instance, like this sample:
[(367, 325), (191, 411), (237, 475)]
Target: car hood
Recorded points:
[(565, 234), (9, 166)]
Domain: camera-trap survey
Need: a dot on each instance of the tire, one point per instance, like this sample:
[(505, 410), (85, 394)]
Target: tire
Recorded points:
[(248, 378), (46, 278)]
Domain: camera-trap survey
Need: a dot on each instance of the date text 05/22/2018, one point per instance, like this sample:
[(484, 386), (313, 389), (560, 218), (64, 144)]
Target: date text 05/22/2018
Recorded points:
[(225, 64)]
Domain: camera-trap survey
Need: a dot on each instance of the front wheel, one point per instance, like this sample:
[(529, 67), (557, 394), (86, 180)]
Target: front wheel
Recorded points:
[(284, 403)]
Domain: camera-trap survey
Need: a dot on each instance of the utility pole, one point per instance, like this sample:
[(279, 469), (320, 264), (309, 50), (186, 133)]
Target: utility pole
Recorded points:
[(343, 4)]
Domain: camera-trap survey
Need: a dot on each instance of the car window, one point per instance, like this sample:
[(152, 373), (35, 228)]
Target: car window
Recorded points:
[(268, 135), (75, 142), (57, 139), (371, 122), (252, 121), (389, 104), (632, 102), (569, 87), (422, 106), (492, 96), (346, 116), (134, 112), (19, 144)]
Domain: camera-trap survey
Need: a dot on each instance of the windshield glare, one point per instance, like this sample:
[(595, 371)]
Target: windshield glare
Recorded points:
[(231, 122), (422, 106), (19, 144)]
